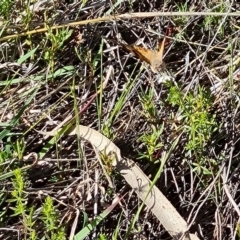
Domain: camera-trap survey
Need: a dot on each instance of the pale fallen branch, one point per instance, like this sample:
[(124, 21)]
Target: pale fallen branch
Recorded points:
[(156, 201)]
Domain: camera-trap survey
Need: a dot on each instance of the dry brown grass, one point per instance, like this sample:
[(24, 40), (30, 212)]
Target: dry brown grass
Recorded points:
[(203, 53)]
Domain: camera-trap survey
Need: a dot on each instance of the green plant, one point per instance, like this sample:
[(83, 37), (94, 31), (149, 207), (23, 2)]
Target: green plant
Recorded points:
[(198, 122), (149, 108), (107, 131), (102, 237), (5, 7), (205, 166), (182, 7), (56, 39), (211, 21), (26, 14), (238, 229), (95, 222), (49, 217), (19, 148), (6, 152), (19, 197), (151, 141)]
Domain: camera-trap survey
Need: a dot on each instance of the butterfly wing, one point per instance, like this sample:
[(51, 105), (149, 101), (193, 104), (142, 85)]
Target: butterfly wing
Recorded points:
[(161, 48), (153, 58), (157, 60), (142, 53)]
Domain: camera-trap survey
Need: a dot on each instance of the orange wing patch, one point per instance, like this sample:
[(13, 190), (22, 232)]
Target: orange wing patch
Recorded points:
[(153, 58)]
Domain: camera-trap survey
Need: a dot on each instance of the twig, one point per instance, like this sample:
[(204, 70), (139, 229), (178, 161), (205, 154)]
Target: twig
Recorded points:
[(120, 17)]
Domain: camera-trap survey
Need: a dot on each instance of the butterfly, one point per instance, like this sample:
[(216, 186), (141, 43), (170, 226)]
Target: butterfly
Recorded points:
[(152, 57)]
